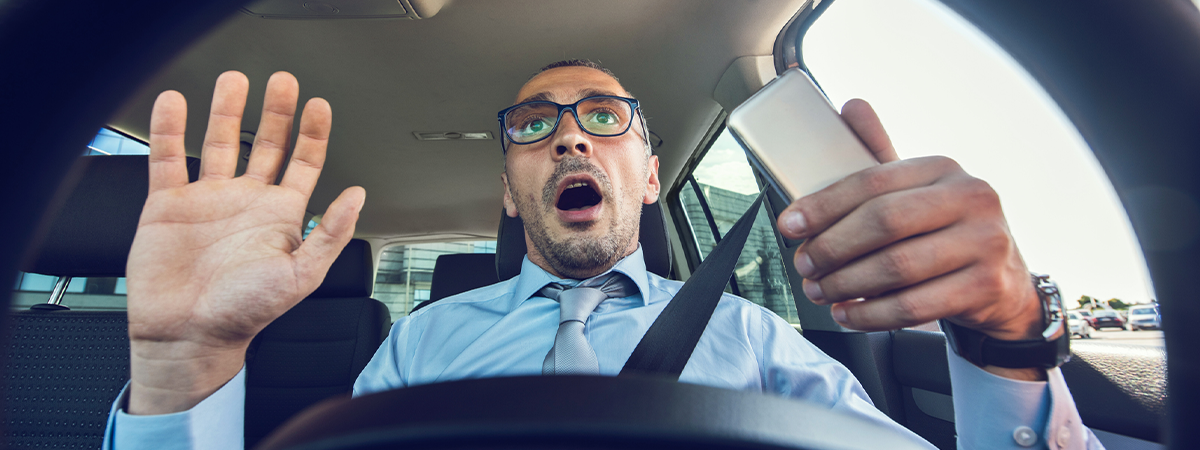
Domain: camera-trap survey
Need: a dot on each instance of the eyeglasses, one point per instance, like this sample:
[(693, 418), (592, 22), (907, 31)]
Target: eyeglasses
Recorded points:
[(601, 115)]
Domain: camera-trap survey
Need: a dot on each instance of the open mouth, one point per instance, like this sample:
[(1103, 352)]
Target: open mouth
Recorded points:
[(578, 193)]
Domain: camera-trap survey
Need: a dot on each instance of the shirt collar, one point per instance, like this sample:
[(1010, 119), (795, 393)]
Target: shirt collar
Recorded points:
[(534, 278)]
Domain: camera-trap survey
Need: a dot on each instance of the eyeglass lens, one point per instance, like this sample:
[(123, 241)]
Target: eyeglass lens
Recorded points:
[(600, 116)]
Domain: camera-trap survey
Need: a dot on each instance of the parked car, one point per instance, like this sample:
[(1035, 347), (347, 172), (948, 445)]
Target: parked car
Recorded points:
[(1079, 325), (1087, 316), (1144, 318), (1108, 319)]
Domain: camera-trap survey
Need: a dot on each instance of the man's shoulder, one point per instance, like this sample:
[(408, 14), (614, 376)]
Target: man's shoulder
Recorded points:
[(668, 288), (490, 297)]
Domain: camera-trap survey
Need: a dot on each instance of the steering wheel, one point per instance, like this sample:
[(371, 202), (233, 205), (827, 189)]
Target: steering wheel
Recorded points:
[(585, 412), (1125, 74)]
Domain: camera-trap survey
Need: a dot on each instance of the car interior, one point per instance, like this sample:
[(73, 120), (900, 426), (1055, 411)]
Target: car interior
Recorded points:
[(415, 86)]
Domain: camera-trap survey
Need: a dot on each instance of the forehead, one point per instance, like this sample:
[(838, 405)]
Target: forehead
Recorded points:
[(569, 84)]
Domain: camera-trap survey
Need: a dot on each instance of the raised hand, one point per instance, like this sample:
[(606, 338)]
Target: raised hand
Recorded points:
[(215, 261), (917, 240)]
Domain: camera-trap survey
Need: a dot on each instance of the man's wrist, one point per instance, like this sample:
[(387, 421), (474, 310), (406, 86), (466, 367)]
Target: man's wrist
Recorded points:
[(172, 377)]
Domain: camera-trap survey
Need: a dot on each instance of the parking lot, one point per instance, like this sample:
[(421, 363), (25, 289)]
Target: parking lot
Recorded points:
[(1149, 338)]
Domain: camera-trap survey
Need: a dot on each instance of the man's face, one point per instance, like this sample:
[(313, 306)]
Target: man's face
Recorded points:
[(579, 195)]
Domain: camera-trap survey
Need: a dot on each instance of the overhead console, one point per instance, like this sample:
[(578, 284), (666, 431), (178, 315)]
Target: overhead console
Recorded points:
[(344, 9)]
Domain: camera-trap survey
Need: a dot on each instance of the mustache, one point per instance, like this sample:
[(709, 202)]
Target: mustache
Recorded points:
[(572, 166)]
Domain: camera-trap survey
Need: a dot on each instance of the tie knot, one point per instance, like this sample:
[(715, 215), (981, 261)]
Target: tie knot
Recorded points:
[(577, 303)]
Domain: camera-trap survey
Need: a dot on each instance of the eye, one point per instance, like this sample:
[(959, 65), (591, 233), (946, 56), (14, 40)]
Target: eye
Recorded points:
[(604, 117), (534, 125)]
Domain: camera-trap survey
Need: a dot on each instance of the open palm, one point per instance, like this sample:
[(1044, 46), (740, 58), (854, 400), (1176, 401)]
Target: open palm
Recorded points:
[(215, 261)]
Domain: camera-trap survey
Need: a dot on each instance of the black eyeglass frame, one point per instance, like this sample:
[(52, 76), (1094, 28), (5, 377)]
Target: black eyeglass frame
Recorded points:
[(634, 105)]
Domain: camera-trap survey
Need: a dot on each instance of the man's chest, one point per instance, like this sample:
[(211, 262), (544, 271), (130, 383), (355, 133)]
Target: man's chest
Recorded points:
[(516, 344)]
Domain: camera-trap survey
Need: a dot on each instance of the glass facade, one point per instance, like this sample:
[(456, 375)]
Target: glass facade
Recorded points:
[(724, 184), (405, 272)]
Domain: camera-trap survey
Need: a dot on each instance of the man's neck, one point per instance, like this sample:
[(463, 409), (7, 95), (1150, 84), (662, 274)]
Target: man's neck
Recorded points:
[(537, 259)]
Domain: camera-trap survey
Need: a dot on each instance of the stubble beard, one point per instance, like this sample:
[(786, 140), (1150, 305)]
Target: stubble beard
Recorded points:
[(576, 256)]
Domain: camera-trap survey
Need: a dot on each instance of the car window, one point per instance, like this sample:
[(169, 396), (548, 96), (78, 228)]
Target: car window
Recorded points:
[(1142, 311), (714, 196), (94, 293), (404, 273), (941, 87)]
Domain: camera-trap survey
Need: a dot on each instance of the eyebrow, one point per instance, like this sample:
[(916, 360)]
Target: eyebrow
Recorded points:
[(548, 97)]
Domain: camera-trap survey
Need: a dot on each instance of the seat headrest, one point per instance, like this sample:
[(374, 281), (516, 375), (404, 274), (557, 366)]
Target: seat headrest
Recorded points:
[(99, 205), (351, 274), (456, 273), (656, 247)]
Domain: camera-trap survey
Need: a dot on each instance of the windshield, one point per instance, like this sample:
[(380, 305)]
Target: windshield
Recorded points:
[(1142, 311)]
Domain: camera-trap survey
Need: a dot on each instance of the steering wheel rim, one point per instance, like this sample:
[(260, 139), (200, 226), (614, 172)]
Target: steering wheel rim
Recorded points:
[(1124, 74), (576, 412)]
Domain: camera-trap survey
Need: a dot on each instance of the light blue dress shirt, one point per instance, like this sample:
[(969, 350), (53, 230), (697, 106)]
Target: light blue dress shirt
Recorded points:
[(506, 330)]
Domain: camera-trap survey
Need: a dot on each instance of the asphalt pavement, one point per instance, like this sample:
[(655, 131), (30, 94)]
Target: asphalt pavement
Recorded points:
[(1149, 337)]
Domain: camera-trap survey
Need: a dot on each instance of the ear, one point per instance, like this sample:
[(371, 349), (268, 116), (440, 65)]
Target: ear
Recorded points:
[(510, 207), (653, 187)]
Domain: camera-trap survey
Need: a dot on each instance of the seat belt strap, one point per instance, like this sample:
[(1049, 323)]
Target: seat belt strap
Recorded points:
[(668, 344)]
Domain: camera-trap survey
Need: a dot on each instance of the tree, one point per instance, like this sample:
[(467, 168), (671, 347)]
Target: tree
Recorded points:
[(1085, 301), (1115, 303)]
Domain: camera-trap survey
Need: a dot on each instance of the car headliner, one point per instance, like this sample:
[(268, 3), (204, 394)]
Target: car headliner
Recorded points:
[(386, 79)]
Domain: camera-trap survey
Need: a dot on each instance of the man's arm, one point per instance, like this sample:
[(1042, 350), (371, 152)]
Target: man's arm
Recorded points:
[(912, 241), (215, 261)]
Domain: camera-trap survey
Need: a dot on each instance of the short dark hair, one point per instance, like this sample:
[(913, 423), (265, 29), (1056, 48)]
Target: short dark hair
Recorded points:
[(577, 63)]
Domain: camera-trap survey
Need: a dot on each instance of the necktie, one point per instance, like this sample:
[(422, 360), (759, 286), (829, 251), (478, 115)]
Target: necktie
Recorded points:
[(571, 353)]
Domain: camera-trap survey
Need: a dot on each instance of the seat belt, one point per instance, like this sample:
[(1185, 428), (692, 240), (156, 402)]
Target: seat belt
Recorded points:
[(671, 339)]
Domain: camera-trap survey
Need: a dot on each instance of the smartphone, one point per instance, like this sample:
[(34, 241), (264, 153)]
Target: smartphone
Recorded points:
[(793, 135)]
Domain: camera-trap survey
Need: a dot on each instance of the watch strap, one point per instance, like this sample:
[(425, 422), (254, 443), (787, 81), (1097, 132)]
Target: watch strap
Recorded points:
[(983, 350)]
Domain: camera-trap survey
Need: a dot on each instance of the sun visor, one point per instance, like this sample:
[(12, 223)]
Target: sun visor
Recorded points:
[(744, 77)]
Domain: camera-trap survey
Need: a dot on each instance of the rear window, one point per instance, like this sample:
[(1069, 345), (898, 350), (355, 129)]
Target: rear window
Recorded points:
[(1142, 311)]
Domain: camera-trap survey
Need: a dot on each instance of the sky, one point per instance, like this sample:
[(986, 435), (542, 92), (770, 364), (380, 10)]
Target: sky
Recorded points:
[(941, 87)]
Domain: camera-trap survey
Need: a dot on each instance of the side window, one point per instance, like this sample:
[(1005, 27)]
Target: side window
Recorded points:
[(85, 294), (947, 89), (403, 278), (713, 197)]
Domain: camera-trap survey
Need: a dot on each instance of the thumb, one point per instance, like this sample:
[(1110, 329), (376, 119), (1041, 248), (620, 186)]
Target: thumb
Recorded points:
[(326, 241), (862, 119)]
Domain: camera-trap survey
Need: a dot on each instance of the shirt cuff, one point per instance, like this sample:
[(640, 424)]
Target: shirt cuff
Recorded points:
[(215, 423), (995, 412)]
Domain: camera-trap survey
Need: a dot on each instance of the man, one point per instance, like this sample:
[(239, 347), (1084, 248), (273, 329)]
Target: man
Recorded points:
[(217, 260)]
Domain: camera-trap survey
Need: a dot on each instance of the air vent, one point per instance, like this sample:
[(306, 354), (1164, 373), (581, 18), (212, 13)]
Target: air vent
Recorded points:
[(343, 9), (452, 135)]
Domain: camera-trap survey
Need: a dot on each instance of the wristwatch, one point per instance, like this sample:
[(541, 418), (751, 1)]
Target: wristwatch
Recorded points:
[(1046, 353)]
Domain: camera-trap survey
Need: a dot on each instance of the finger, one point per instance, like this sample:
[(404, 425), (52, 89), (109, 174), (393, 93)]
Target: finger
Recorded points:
[(944, 296), (168, 160), (309, 156), (812, 214), (862, 119), (326, 241), (218, 158), (270, 143), (877, 223), (897, 266)]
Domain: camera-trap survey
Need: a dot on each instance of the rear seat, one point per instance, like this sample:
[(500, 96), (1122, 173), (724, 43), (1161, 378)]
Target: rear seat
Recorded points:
[(456, 273), (65, 367)]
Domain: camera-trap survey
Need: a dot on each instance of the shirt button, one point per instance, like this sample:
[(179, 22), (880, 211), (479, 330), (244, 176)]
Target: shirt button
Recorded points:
[(1025, 436), (1064, 436)]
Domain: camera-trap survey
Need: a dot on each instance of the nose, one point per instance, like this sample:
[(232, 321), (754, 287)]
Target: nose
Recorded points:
[(570, 138)]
